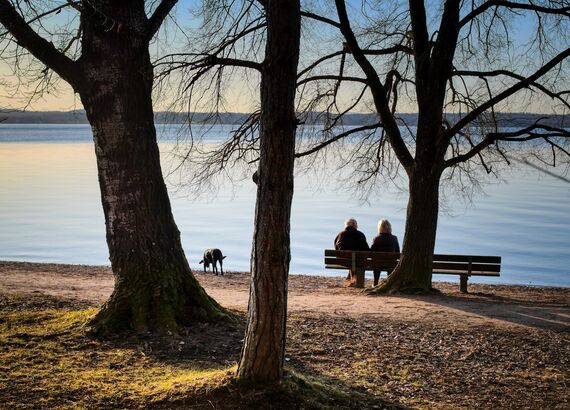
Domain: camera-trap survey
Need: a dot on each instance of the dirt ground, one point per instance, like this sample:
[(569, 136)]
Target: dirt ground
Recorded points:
[(496, 305), (495, 347)]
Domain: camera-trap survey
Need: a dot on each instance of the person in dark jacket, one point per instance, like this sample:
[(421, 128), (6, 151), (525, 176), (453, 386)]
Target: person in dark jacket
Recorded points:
[(351, 239), (384, 242)]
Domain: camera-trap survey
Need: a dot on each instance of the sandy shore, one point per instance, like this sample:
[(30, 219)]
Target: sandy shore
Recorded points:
[(499, 305)]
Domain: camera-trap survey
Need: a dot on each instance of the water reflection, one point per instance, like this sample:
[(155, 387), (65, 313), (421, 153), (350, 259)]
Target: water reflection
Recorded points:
[(50, 211)]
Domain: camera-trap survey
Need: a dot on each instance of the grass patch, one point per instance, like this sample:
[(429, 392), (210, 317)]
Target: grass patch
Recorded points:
[(49, 360)]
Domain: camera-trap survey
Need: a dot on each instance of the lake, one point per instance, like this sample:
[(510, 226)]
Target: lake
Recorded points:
[(50, 211)]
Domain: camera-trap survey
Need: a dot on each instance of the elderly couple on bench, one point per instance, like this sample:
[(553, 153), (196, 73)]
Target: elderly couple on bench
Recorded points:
[(351, 239)]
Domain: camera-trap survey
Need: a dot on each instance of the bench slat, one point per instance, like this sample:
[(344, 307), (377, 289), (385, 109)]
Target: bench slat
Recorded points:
[(455, 272), (384, 258), (465, 258), (339, 261), (436, 257), (335, 253), (348, 254), (336, 267), (364, 263), (465, 267)]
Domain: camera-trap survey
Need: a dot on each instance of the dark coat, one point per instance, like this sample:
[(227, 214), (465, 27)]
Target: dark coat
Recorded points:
[(351, 240), (385, 242)]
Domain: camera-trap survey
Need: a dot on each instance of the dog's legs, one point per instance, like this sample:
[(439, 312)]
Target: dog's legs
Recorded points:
[(222, 267)]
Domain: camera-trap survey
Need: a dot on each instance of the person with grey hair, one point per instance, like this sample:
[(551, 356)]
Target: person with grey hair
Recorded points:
[(351, 239), (384, 242)]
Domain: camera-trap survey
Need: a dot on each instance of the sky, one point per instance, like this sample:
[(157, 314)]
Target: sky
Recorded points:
[(240, 97)]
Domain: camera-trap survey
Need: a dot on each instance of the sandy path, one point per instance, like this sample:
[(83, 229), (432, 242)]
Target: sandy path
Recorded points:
[(485, 305)]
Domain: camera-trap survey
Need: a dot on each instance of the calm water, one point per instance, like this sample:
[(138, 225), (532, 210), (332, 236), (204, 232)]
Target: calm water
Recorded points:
[(50, 211)]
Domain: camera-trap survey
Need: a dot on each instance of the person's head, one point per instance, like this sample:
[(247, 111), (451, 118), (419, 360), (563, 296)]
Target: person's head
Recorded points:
[(384, 226), (351, 222)]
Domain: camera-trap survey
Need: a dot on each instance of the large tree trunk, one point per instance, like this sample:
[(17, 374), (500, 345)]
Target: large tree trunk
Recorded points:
[(264, 346), (414, 272), (154, 286)]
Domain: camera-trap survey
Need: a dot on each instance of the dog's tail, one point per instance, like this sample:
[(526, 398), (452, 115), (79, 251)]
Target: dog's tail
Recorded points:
[(201, 262), (223, 257)]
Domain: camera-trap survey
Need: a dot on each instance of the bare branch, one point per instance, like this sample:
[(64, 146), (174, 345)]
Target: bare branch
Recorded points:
[(331, 77), (508, 92), (40, 48), (522, 135), (209, 61), (496, 73), (55, 10), (396, 48), (420, 36), (320, 18), (377, 89), (159, 15), (340, 115), (336, 138), (512, 5), (314, 64), (441, 63), (390, 50)]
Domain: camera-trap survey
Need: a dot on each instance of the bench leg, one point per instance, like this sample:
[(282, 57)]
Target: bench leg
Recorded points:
[(359, 279), (356, 280), (463, 283)]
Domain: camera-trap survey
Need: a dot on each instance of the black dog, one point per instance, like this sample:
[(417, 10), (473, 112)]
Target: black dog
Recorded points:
[(212, 256)]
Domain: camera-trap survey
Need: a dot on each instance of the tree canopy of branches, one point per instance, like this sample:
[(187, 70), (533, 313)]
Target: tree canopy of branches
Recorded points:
[(460, 65), (457, 66), (102, 51)]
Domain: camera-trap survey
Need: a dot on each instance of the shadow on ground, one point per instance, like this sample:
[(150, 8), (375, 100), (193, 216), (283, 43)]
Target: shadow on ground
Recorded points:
[(537, 314), (48, 360)]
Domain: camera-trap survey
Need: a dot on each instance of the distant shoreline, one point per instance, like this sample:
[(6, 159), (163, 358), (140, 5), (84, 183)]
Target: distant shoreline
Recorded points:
[(232, 118)]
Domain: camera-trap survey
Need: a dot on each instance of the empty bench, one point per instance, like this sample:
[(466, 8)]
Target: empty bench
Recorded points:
[(358, 262)]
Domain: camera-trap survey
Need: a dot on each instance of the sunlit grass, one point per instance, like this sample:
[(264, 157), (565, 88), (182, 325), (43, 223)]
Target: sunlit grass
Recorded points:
[(48, 355), (48, 359)]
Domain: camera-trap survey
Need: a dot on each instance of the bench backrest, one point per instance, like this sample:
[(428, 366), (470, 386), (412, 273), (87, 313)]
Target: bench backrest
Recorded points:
[(361, 260), (442, 263)]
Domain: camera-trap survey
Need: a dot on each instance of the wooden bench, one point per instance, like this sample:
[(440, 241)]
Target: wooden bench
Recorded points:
[(357, 262)]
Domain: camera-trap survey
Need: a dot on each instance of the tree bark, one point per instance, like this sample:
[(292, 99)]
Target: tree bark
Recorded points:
[(154, 286), (414, 272), (264, 346)]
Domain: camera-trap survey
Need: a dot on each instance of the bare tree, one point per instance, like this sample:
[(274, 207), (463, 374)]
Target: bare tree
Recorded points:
[(263, 352), (454, 67), (111, 70), (233, 34), (458, 67)]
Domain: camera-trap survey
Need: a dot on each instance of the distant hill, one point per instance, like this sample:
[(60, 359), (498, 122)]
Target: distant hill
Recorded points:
[(166, 117), (43, 117), (79, 117)]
